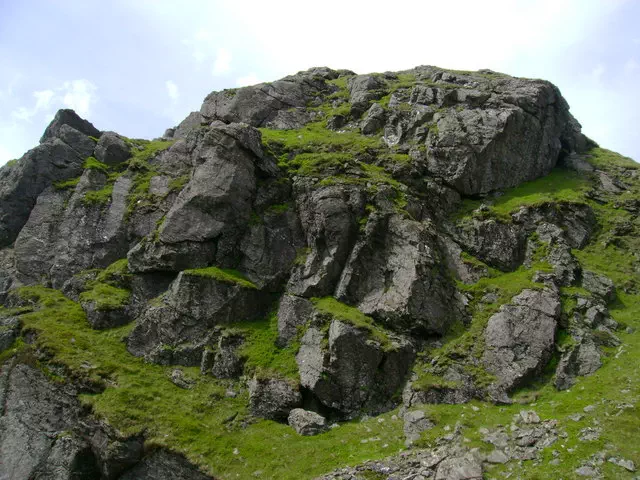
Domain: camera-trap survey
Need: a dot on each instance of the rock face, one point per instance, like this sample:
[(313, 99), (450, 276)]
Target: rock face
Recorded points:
[(305, 240), (520, 337), (353, 373)]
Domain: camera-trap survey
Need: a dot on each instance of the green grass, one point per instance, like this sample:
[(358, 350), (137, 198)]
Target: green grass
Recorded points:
[(139, 397), (224, 275), (98, 197), (353, 316), (106, 297), (314, 137), (92, 163), (67, 184), (262, 356), (560, 186)]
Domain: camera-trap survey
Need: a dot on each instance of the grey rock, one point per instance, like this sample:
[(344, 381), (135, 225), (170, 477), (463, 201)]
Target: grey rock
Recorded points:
[(164, 465), (581, 360), (112, 149), (520, 337), (102, 318), (9, 330), (599, 285), (374, 119), (354, 372), (528, 417), (70, 118), (394, 274), (587, 471), (77, 140), (415, 423), (90, 235), (293, 312), (459, 468), (43, 433), (362, 90), (307, 423), (226, 361), (34, 245), (259, 104), (498, 244), (179, 380), (21, 183), (189, 311), (193, 121), (621, 462), (273, 398), (329, 217), (497, 456)]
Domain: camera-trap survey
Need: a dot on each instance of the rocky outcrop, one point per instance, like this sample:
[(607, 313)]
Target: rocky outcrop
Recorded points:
[(194, 304), (273, 398), (352, 372), (394, 275), (520, 337)]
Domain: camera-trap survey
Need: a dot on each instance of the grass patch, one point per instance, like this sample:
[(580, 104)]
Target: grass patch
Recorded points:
[(262, 356), (140, 398), (92, 163), (67, 184), (106, 297), (98, 197), (560, 186), (353, 316), (224, 275)]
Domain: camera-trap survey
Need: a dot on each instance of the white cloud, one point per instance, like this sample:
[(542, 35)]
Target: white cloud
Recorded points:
[(247, 80), (631, 66), (79, 95), (172, 90), (222, 63), (43, 100)]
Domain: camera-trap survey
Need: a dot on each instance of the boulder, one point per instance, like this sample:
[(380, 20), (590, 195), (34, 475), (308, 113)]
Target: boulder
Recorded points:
[(112, 149), (185, 317), (293, 312), (374, 119), (307, 423), (226, 361), (354, 372), (599, 285), (519, 339), (164, 465), (467, 467), (273, 398), (415, 422), (581, 360)]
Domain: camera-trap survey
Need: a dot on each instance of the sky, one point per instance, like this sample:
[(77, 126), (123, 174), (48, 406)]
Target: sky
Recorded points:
[(138, 67)]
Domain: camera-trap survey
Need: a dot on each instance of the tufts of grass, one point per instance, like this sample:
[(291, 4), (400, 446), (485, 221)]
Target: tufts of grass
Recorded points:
[(106, 297), (224, 275), (353, 316), (92, 163), (261, 354), (139, 398), (67, 184), (98, 197), (560, 186)]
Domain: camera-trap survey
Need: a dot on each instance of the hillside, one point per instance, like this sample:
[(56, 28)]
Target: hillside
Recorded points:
[(421, 274)]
